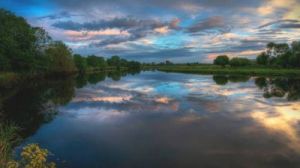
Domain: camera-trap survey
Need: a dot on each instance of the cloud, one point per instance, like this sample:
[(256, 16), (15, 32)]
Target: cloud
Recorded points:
[(120, 23), (178, 30), (290, 26), (63, 14), (215, 23), (284, 23), (135, 28), (174, 4)]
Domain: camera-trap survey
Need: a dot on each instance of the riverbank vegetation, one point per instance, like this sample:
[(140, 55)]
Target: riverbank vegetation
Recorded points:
[(248, 70), (277, 59), (32, 155)]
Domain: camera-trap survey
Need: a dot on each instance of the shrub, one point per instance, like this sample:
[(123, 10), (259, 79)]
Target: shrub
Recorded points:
[(221, 60)]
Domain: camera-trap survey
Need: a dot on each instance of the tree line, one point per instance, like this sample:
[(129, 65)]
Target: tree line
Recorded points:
[(24, 48), (279, 55), (93, 62)]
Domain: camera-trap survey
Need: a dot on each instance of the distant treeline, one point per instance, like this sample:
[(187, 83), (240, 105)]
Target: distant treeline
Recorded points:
[(93, 62), (280, 55), (24, 48)]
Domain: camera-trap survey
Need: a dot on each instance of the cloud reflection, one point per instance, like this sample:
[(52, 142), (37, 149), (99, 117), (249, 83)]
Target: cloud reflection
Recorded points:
[(179, 120)]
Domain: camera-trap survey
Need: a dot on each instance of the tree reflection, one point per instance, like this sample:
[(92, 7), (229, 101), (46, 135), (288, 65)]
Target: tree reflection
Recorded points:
[(283, 87), (224, 79), (280, 87), (220, 79), (96, 77), (31, 104)]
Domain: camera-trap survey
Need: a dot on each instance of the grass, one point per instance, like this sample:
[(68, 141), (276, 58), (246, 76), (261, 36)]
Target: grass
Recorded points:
[(213, 69), (8, 136)]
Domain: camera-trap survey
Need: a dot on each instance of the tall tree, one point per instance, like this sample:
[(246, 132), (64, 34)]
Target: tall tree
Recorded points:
[(60, 58), (17, 42), (262, 58), (80, 63)]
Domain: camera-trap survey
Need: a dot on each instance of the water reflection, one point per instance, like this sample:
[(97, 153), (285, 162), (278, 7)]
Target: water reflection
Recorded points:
[(33, 103), (282, 87), (157, 119)]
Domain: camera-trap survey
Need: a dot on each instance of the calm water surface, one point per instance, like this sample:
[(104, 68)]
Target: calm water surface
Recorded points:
[(157, 119)]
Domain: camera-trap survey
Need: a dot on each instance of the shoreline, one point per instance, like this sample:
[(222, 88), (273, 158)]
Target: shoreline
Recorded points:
[(250, 71), (11, 78)]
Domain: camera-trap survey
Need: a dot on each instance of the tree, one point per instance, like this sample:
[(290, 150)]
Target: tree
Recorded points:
[(134, 65), (80, 63), (4, 63), (96, 62), (276, 50), (284, 59), (42, 39), (281, 54), (60, 58), (262, 59), (221, 60), (123, 62), (168, 62), (295, 57), (114, 61), (17, 42), (235, 62)]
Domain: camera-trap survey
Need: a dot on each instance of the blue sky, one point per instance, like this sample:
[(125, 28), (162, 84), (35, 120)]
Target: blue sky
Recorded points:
[(157, 30)]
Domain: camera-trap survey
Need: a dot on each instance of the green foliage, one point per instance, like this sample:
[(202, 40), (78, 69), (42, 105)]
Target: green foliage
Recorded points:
[(80, 63), (8, 137), (60, 58), (262, 59), (248, 70), (134, 65), (280, 55), (114, 61), (30, 49), (32, 157), (95, 61), (295, 57), (17, 47), (221, 60), (236, 62)]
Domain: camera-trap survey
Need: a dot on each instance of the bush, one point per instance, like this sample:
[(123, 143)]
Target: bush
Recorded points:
[(221, 60)]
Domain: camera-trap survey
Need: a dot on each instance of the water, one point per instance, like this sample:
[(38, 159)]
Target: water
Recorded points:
[(157, 119)]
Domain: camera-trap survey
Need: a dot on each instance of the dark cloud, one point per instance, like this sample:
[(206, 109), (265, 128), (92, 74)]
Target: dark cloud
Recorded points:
[(132, 5), (60, 15), (136, 28), (216, 23), (120, 23), (290, 26), (285, 23), (175, 55), (120, 39)]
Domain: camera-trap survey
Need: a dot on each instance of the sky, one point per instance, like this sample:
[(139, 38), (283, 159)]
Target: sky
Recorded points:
[(157, 30)]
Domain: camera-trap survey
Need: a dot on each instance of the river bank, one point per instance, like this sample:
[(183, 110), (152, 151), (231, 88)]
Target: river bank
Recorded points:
[(212, 69)]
